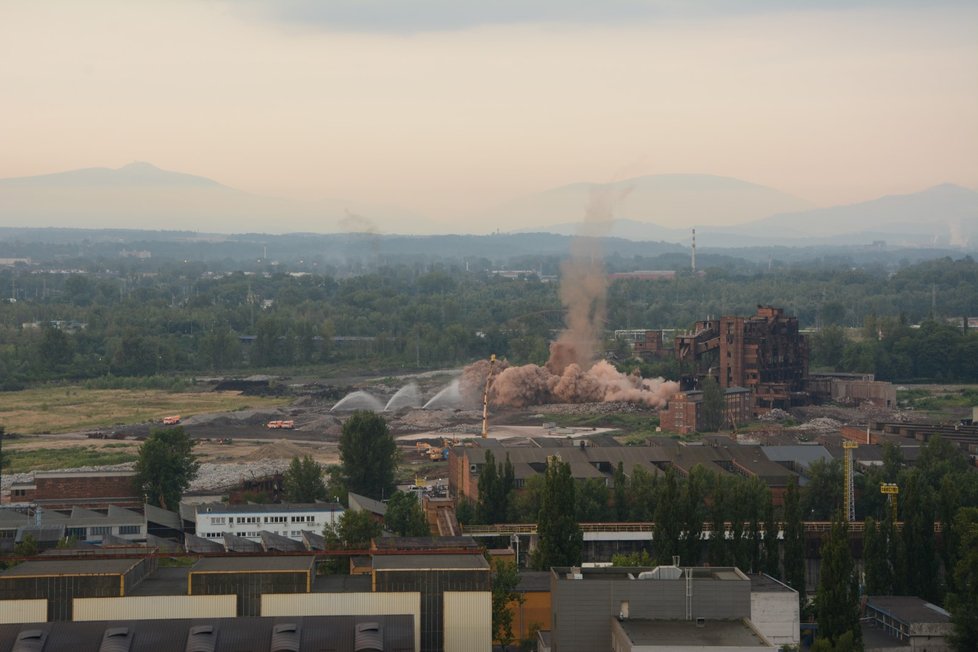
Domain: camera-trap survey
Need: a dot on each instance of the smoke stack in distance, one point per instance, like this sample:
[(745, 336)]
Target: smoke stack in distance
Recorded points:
[(694, 251)]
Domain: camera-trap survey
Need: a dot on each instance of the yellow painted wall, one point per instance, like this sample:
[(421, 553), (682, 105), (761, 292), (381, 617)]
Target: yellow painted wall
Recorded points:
[(156, 607), (345, 604), (23, 611), (468, 621), (535, 609)]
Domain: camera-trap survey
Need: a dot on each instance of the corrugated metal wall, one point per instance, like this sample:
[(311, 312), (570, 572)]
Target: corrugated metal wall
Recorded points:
[(23, 611), (345, 604), (156, 607), (468, 621)]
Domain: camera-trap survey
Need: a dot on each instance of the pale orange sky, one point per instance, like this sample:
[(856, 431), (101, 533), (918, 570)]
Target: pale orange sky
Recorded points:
[(833, 105)]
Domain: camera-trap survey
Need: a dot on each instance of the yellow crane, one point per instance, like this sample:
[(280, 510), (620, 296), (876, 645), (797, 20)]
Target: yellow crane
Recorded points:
[(891, 490), (849, 495), (485, 398)]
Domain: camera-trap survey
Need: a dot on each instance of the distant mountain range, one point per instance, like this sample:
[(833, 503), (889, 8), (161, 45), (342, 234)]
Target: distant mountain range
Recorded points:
[(142, 196), (726, 212), (944, 216), (671, 201)]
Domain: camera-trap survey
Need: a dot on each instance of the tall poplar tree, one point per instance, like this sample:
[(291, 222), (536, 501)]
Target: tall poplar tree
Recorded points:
[(919, 545), (837, 599), (876, 563), (559, 536), (794, 542)]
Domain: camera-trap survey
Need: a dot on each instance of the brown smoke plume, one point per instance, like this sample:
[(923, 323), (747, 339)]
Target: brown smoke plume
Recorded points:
[(570, 374)]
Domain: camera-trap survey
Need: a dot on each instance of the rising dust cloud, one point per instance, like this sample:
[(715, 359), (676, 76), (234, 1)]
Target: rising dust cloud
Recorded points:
[(571, 374)]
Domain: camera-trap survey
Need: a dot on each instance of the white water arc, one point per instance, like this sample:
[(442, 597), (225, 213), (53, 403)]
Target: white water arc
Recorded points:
[(359, 400), (408, 396), (449, 397)]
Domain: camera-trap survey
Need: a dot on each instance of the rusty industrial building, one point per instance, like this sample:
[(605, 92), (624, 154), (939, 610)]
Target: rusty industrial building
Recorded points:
[(764, 353)]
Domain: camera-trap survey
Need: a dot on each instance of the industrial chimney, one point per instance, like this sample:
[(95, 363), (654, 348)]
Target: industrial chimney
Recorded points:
[(694, 251)]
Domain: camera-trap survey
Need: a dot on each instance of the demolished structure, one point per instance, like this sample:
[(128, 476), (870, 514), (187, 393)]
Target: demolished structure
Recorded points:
[(764, 353)]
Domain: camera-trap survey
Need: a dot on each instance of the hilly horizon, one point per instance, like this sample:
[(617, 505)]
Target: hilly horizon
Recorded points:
[(142, 196), (944, 215), (670, 201)]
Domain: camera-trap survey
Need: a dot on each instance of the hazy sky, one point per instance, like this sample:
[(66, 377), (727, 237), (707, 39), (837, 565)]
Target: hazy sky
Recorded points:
[(446, 106)]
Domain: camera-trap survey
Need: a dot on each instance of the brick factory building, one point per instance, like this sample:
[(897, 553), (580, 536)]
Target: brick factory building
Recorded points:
[(764, 353), (64, 489), (684, 413)]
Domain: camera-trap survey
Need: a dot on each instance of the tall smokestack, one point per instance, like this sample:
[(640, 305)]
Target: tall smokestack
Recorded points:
[(694, 251)]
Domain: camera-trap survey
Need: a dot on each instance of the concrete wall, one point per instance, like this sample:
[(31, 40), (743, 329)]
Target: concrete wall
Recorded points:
[(345, 604), (468, 621), (776, 616), (23, 611), (155, 607)]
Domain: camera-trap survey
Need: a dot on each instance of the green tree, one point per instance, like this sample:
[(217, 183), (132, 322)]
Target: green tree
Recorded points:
[(368, 455), (668, 518), (876, 562), (828, 346), (27, 547), (592, 501), (918, 537), (963, 603), (165, 467), (505, 579), (560, 537), (488, 490), (794, 542), (303, 481), (772, 551), (352, 531), (694, 513), (823, 493), (837, 599), (620, 492), (714, 405), (405, 517), (54, 349)]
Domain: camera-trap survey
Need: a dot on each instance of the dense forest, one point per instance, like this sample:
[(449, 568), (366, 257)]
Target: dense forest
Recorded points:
[(128, 317)]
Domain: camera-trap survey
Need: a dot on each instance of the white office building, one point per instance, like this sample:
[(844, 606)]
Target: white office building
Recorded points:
[(214, 520)]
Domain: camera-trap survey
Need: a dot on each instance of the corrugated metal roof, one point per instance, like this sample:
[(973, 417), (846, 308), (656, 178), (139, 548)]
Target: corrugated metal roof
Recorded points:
[(426, 543), (336, 633), (71, 567), (234, 543), (194, 543), (255, 564), (358, 502), (800, 454), (222, 508), (163, 517), (313, 540), (276, 542), (432, 562)]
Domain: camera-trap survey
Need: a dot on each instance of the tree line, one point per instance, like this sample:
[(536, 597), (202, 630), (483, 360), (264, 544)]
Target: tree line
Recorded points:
[(185, 319)]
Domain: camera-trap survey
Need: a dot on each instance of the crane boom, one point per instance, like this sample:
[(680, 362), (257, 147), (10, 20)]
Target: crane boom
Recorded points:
[(485, 398)]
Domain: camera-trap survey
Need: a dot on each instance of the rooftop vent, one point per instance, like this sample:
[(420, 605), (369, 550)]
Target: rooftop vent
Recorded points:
[(285, 638), (201, 638), (31, 640), (369, 638), (116, 639)]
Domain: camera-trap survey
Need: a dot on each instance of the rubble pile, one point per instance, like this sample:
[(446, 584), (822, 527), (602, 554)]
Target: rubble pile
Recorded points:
[(819, 425), (775, 415)]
